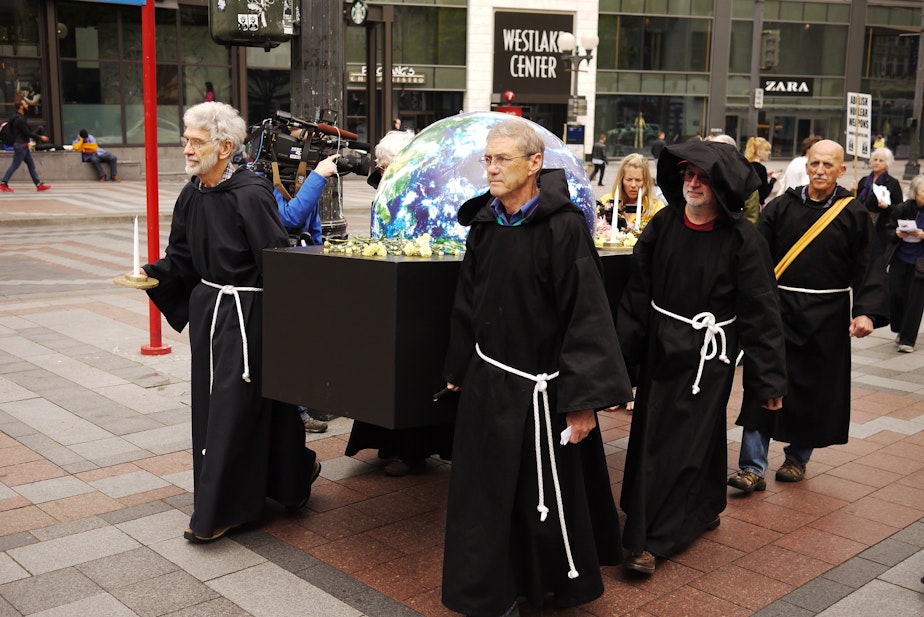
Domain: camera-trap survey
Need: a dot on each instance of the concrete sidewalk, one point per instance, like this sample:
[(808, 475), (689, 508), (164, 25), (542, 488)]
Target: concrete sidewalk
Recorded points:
[(95, 475)]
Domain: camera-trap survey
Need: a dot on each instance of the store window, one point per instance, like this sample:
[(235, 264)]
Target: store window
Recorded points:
[(20, 58), (631, 123), (102, 76), (421, 35), (640, 43)]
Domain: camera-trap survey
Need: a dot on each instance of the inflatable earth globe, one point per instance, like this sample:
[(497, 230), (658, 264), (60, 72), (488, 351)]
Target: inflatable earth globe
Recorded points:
[(429, 180)]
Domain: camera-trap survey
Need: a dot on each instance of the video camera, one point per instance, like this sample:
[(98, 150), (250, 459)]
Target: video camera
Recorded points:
[(286, 148)]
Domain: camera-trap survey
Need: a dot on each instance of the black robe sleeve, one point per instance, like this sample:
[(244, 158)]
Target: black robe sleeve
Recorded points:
[(174, 272), (461, 335)]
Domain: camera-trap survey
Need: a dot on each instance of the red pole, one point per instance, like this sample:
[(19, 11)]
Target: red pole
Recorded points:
[(149, 66)]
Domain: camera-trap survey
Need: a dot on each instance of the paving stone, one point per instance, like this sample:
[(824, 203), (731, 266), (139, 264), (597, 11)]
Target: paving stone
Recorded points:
[(164, 594), (7, 610), (69, 528), (267, 590), (332, 580), (371, 602), (889, 552), (219, 607), (126, 568), (10, 391), (183, 479), (76, 371), (15, 540), (48, 590), (341, 467), (10, 570), (855, 572), (54, 422), (163, 439), (908, 574), (156, 527), (286, 556), (101, 605), (110, 451), (128, 484), (208, 561), (71, 550), (51, 450), (876, 598), (913, 534), (54, 488), (138, 398), (818, 594), (133, 512)]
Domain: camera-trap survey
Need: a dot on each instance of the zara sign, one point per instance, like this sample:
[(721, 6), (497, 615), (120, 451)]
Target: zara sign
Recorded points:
[(788, 86)]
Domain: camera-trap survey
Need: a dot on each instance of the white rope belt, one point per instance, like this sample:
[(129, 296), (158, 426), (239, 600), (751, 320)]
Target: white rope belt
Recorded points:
[(229, 290), (701, 321), (542, 381), (803, 290)]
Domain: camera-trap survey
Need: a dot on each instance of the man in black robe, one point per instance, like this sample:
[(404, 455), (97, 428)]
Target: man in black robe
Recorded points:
[(815, 298), (532, 342), (245, 447), (701, 288)]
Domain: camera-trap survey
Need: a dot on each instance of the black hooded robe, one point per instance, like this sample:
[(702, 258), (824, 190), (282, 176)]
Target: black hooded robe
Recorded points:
[(816, 411), (676, 464), (532, 297), (245, 447)]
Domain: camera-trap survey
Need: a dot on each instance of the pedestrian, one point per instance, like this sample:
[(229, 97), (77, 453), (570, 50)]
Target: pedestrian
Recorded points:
[(245, 447), (209, 92), (906, 267), (633, 187), (90, 152), (757, 152), (701, 288), (657, 146), (21, 136), (879, 202), (533, 348), (834, 289), (598, 158)]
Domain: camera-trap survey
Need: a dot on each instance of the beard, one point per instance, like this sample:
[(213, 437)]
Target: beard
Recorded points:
[(203, 164)]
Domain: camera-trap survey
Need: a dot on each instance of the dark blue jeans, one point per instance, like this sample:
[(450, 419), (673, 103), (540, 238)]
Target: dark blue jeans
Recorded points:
[(21, 153), (96, 159)]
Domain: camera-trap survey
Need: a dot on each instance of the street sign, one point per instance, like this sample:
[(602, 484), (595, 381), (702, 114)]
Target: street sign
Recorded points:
[(758, 98), (859, 115)]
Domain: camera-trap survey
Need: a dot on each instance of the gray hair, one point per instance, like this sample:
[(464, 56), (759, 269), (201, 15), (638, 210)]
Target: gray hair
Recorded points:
[(390, 145), (886, 154), (722, 138), (523, 134), (916, 183), (222, 121)]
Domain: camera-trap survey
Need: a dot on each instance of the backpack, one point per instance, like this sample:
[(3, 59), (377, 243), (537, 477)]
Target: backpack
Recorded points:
[(6, 133)]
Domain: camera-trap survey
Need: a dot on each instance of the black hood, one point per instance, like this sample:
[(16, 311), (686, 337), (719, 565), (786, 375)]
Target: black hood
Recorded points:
[(553, 196), (732, 178)]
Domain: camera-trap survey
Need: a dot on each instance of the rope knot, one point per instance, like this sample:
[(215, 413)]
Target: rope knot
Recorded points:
[(542, 382), (246, 376), (573, 573), (543, 512), (227, 290)]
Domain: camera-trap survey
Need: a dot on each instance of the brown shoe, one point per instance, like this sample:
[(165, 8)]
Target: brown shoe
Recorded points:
[(747, 481), (791, 471), (643, 562), (219, 533)]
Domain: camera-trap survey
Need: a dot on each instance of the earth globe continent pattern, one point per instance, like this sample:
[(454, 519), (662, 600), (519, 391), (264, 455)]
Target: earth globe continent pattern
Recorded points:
[(439, 170)]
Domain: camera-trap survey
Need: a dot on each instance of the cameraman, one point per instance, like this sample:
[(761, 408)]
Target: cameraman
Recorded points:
[(301, 212)]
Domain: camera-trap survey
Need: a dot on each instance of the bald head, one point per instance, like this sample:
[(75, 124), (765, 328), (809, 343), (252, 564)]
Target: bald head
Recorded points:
[(824, 166)]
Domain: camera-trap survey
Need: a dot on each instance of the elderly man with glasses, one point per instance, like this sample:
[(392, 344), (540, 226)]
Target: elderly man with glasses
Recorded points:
[(533, 352), (701, 289), (245, 447)]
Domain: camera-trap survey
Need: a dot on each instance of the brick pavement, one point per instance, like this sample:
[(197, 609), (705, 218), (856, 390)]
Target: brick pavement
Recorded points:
[(95, 474)]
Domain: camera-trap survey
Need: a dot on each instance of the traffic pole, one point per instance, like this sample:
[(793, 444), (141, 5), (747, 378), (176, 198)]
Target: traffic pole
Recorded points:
[(155, 347)]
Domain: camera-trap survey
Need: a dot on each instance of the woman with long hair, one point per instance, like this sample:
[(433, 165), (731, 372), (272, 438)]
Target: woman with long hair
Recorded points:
[(634, 176), (757, 152)]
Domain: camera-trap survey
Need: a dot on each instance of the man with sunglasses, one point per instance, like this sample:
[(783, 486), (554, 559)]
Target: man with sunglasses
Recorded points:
[(701, 288), (534, 352), (245, 447)]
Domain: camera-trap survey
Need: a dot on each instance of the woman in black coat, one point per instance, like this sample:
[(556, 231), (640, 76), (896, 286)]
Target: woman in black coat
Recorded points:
[(879, 162), (906, 268)]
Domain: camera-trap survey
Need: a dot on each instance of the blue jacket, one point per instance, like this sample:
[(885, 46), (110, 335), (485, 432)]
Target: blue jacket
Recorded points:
[(301, 212)]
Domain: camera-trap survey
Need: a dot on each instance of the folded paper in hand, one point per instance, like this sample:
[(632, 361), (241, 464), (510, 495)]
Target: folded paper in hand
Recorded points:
[(566, 436), (907, 225), (882, 193)]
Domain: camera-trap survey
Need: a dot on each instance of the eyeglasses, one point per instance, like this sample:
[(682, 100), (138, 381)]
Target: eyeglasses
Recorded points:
[(195, 143), (502, 161), (689, 174)]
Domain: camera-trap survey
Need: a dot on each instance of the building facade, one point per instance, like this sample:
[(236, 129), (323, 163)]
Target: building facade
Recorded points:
[(678, 66)]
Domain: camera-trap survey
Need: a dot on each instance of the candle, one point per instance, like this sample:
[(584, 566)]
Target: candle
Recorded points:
[(638, 209), (614, 227), (136, 264)]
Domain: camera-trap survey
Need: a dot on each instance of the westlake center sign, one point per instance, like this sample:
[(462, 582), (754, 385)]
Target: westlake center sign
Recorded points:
[(527, 59)]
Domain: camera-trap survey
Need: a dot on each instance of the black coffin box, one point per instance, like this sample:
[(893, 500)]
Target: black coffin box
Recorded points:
[(366, 337), (356, 337)]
